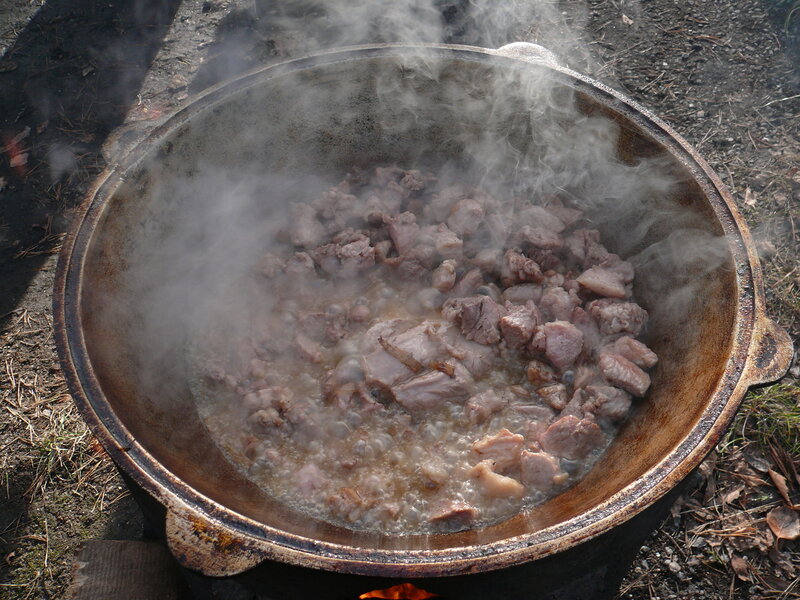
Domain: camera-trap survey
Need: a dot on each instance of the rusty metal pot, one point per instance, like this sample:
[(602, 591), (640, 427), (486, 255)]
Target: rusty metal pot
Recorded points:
[(218, 522)]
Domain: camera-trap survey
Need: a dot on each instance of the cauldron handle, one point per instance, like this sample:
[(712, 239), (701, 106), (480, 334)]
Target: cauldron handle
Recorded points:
[(771, 353), (202, 546), (530, 52)]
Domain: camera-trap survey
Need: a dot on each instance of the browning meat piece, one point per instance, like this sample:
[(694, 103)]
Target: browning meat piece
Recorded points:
[(520, 294), (614, 316), (493, 484), (635, 351), (538, 470), (563, 343), (465, 217), (444, 277), (538, 237), (309, 479), (482, 406), (572, 438), (607, 403), (403, 230), (518, 324), (621, 372), (446, 242), (557, 304), (478, 317), (306, 230), (503, 448), (431, 389), (539, 373), (517, 268), (453, 512), (555, 395)]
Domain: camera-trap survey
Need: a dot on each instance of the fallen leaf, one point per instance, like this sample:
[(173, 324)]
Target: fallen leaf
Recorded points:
[(626, 19), (784, 523), (749, 197), (732, 495), (740, 567), (783, 487)]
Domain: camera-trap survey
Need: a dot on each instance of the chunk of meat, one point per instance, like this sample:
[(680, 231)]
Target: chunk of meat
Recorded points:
[(614, 316), (517, 326), (306, 231), (563, 343), (539, 373), (347, 502), (308, 479), (301, 264), (583, 245), (403, 230), (607, 403), (591, 332), (557, 304), (539, 237), (443, 277), (541, 217), (482, 406), (493, 484), (568, 216), (477, 358), (503, 448), (635, 351), (469, 282), (270, 265), (465, 217), (603, 282), (572, 438), (453, 512), (432, 389), (435, 472), (446, 242), (554, 394), (518, 268), (622, 373), (345, 260), (478, 317), (520, 294), (537, 470)]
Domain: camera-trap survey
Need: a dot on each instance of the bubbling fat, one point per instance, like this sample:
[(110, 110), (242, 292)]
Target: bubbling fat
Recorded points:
[(425, 358)]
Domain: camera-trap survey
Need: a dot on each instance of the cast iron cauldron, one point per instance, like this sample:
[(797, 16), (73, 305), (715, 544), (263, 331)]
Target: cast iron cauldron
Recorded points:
[(142, 410)]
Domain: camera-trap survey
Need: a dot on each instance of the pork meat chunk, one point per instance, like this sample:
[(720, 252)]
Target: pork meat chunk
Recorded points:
[(557, 304), (572, 438), (306, 231), (503, 448), (493, 484), (403, 230), (622, 373), (538, 237), (520, 294), (481, 406), (434, 388), (443, 277), (465, 217), (607, 403), (518, 268), (518, 324), (446, 242), (537, 470), (635, 351), (613, 316), (453, 512), (563, 343), (478, 317)]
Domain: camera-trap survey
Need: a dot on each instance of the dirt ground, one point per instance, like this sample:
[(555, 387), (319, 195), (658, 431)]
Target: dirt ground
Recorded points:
[(724, 73)]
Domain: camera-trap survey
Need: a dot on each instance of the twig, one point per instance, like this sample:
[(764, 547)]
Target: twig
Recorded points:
[(780, 100)]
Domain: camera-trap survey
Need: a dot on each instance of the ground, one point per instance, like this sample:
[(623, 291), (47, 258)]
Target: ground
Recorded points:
[(723, 73)]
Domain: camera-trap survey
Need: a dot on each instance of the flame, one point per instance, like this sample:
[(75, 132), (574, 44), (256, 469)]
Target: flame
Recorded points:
[(404, 591)]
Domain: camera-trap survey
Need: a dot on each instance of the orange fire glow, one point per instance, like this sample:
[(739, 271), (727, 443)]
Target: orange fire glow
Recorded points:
[(404, 591)]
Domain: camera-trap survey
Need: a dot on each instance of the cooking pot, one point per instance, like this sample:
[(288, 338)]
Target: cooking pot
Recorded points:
[(413, 105)]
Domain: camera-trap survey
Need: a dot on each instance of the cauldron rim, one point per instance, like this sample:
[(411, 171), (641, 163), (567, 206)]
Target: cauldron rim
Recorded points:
[(250, 542)]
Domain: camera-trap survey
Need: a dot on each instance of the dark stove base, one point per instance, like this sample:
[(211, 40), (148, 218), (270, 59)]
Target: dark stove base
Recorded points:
[(591, 571)]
